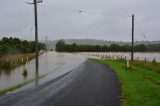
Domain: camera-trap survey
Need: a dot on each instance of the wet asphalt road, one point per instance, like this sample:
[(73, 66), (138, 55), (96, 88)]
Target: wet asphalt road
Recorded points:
[(90, 84)]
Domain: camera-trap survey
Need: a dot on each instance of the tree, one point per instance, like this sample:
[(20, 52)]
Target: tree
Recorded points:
[(60, 45), (15, 45), (114, 47), (74, 47)]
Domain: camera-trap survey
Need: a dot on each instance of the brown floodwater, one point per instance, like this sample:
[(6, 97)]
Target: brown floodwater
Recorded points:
[(52, 63), (56, 64), (137, 55)]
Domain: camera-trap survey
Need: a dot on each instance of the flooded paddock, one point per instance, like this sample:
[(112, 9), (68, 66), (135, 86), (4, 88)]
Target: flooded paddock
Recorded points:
[(49, 63), (148, 56), (54, 64)]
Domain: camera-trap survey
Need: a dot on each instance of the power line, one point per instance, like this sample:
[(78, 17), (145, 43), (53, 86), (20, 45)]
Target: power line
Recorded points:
[(140, 29), (80, 11), (84, 11)]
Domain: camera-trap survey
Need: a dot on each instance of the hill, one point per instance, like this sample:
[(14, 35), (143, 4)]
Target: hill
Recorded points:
[(51, 44)]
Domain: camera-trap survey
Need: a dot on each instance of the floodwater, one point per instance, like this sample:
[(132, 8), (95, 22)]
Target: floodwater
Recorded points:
[(150, 56), (56, 64), (52, 63)]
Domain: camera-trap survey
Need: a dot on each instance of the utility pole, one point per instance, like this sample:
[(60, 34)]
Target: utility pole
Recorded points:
[(132, 48), (36, 29), (36, 36), (46, 45)]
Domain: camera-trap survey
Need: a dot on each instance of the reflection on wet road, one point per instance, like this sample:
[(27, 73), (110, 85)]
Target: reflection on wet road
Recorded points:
[(53, 63)]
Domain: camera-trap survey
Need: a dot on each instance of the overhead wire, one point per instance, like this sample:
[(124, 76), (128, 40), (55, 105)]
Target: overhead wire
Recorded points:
[(140, 30), (76, 10), (84, 11)]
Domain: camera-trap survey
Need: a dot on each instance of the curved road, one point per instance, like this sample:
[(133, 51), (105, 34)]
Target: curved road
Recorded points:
[(90, 84)]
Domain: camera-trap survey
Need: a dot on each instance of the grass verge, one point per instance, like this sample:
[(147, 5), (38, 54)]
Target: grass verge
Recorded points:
[(153, 66), (140, 85)]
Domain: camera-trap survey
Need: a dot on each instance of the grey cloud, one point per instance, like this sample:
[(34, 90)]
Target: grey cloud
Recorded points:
[(17, 18)]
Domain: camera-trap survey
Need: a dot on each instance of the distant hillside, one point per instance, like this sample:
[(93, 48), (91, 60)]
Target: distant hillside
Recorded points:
[(51, 44)]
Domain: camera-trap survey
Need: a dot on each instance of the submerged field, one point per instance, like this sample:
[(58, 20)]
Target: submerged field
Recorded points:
[(140, 84), (9, 62)]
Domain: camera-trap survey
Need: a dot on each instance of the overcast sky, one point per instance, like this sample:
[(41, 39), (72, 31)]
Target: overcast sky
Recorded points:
[(104, 19)]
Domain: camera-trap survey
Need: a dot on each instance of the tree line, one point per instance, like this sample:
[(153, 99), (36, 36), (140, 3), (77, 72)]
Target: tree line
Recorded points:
[(61, 46), (15, 45)]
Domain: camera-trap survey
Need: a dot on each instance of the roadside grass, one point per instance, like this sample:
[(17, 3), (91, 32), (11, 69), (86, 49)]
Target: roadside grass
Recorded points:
[(153, 66), (140, 84)]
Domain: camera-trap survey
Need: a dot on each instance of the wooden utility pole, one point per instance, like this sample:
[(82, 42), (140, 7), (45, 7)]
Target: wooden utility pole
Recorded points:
[(36, 29), (36, 36), (132, 48), (46, 45)]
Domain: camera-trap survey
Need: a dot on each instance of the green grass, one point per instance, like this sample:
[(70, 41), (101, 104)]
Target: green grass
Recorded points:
[(140, 85), (153, 66)]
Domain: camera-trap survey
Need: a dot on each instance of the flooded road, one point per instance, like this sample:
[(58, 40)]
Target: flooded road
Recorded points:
[(52, 63)]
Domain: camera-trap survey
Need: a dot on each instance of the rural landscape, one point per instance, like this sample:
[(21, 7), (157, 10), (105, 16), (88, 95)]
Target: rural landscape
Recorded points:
[(79, 53)]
